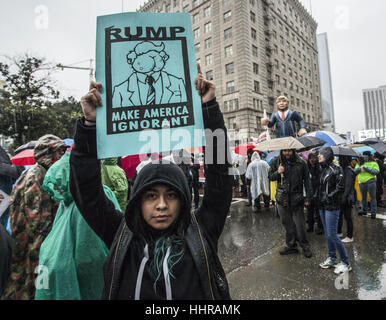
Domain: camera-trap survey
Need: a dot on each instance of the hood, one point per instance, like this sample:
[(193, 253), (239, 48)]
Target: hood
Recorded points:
[(255, 156), (110, 162), (283, 159), (328, 154), (152, 174), (57, 180), (45, 149)]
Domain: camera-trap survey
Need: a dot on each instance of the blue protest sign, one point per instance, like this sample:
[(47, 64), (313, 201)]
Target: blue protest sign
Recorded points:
[(147, 66)]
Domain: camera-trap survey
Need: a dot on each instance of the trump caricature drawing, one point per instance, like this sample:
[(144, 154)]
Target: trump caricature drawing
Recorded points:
[(149, 84)]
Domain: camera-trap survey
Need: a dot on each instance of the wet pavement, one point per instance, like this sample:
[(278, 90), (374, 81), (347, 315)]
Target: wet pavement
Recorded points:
[(249, 251)]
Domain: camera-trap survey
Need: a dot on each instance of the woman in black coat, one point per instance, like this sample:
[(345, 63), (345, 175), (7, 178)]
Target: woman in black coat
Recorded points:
[(158, 248)]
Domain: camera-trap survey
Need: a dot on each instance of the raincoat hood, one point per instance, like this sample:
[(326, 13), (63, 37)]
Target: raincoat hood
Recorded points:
[(255, 156), (110, 162), (57, 180), (155, 173), (328, 154), (45, 149)]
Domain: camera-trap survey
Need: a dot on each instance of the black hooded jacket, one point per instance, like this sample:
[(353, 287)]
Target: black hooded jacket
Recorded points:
[(6, 247), (289, 192), (331, 184), (199, 275)]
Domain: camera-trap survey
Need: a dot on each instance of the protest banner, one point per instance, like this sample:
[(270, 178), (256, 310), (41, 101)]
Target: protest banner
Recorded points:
[(147, 66)]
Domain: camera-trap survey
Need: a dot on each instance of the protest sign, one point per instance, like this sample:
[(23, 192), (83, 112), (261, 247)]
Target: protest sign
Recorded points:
[(147, 66)]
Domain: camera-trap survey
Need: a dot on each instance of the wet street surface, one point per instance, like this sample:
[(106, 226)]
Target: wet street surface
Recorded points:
[(249, 250)]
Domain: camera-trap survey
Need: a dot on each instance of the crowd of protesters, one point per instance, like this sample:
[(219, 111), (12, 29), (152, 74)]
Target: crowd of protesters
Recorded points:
[(154, 235)]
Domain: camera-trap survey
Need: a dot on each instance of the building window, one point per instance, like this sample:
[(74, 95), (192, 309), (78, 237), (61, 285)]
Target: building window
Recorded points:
[(208, 43), (255, 68), (256, 86), (197, 47), (208, 27), (208, 59), (277, 79), (252, 2), (229, 68), (196, 33), (253, 16), (196, 18), (228, 51), (254, 51), (232, 123), (209, 75), (186, 8), (283, 68), (228, 33), (207, 11), (253, 33), (196, 3), (226, 2), (230, 87), (227, 16)]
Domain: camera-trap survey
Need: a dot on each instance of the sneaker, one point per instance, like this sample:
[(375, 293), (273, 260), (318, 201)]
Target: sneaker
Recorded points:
[(329, 263), (307, 253), (342, 268), (348, 240), (286, 251)]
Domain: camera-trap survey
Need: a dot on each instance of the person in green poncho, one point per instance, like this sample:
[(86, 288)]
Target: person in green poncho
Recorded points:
[(367, 170), (71, 257), (115, 178)]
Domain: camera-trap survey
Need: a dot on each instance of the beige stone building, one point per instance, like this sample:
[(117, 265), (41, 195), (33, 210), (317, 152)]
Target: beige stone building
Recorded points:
[(254, 51)]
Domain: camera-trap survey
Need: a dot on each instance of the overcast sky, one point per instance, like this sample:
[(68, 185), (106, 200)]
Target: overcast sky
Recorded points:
[(355, 28)]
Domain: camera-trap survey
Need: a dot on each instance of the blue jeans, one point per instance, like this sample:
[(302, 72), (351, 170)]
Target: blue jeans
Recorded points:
[(371, 188), (330, 221)]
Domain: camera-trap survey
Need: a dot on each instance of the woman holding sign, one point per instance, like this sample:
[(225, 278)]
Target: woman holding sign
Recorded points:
[(158, 248)]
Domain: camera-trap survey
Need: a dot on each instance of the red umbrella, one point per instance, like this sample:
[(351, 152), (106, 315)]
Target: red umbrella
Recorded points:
[(243, 148), (130, 163), (24, 158)]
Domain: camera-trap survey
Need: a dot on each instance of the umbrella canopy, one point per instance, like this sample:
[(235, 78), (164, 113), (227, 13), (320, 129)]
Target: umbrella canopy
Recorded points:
[(25, 157), (364, 149), (331, 138), (243, 148), (281, 144), (370, 141), (29, 145), (130, 163), (380, 147), (342, 151), (311, 142)]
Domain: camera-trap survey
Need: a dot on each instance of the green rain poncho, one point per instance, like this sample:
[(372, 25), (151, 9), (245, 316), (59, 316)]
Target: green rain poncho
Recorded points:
[(71, 257), (115, 178)]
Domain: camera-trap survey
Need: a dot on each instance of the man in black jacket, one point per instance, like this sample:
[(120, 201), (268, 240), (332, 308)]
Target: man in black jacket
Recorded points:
[(291, 174), (158, 248)]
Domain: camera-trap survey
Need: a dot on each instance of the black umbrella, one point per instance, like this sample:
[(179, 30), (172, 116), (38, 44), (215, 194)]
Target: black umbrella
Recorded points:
[(342, 151), (29, 145), (370, 141), (310, 142), (380, 147)]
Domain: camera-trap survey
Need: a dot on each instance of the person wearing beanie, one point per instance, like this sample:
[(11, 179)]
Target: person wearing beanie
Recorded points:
[(331, 186), (292, 176), (32, 213), (158, 248), (367, 170)]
